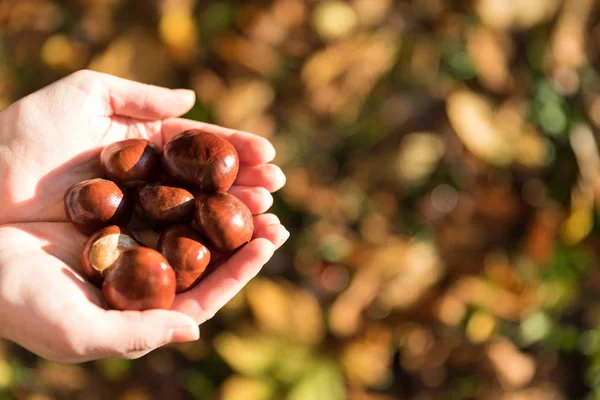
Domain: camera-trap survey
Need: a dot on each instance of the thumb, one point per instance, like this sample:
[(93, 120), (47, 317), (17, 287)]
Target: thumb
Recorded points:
[(135, 99), (132, 334)]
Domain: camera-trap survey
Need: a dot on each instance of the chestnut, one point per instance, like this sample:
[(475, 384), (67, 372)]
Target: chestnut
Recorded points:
[(164, 205), (147, 237), (97, 203), (131, 161), (225, 221), (183, 249), (102, 249), (141, 279), (202, 160)]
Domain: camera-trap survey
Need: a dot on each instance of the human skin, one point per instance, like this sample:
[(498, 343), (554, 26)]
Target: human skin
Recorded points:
[(52, 139)]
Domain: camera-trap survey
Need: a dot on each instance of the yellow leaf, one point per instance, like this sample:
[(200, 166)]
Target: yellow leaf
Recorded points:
[(6, 375), (282, 308), (578, 225), (334, 19), (240, 387), (480, 327)]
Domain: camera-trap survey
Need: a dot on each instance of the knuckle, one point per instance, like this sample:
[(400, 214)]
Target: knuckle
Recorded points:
[(138, 344), (140, 340), (87, 80), (136, 348), (83, 75), (143, 99)]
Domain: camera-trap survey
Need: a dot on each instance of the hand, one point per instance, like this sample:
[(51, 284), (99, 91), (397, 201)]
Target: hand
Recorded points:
[(52, 139)]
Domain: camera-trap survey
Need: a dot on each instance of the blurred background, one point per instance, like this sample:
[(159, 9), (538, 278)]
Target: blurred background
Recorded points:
[(443, 191)]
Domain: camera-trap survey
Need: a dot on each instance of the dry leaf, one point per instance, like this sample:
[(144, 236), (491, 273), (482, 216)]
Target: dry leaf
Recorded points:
[(472, 120), (513, 369), (491, 54), (367, 360), (521, 14), (418, 156), (334, 19), (243, 100), (128, 55), (240, 387)]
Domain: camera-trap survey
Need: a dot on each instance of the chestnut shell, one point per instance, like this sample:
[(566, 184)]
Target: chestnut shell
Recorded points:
[(97, 203), (147, 237), (164, 205), (141, 279), (225, 221), (101, 251), (202, 160), (184, 250), (131, 160)]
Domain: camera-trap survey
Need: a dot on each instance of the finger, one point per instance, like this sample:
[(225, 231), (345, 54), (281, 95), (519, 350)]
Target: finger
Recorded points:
[(263, 220), (131, 334), (140, 100), (262, 229), (274, 233), (257, 199), (269, 176), (252, 149), (209, 296)]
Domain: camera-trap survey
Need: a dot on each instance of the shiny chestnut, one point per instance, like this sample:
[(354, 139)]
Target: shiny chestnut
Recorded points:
[(141, 279), (97, 203), (164, 205), (184, 250), (102, 249), (131, 161), (225, 221), (202, 160)]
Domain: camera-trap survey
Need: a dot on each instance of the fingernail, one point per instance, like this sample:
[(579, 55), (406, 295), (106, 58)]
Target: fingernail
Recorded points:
[(283, 238), (187, 333), (189, 95)]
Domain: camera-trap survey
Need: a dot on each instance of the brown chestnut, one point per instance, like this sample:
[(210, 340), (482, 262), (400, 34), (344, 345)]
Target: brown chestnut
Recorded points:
[(97, 203), (183, 249), (225, 221), (102, 249), (164, 205), (141, 279), (131, 160), (201, 159), (147, 237)]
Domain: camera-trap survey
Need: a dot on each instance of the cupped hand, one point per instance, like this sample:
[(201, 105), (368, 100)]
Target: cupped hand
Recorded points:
[(52, 139)]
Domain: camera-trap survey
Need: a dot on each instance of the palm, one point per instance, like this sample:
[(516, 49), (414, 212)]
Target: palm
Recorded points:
[(67, 137)]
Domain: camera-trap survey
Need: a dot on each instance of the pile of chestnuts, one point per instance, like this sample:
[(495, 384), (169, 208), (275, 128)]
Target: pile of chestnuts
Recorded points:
[(156, 218)]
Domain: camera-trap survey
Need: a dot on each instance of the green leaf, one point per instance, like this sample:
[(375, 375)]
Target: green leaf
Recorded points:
[(294, 362), (535, 328), (199, 112), (114, 369), (200, 386), (324, 382), (253, 356)]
